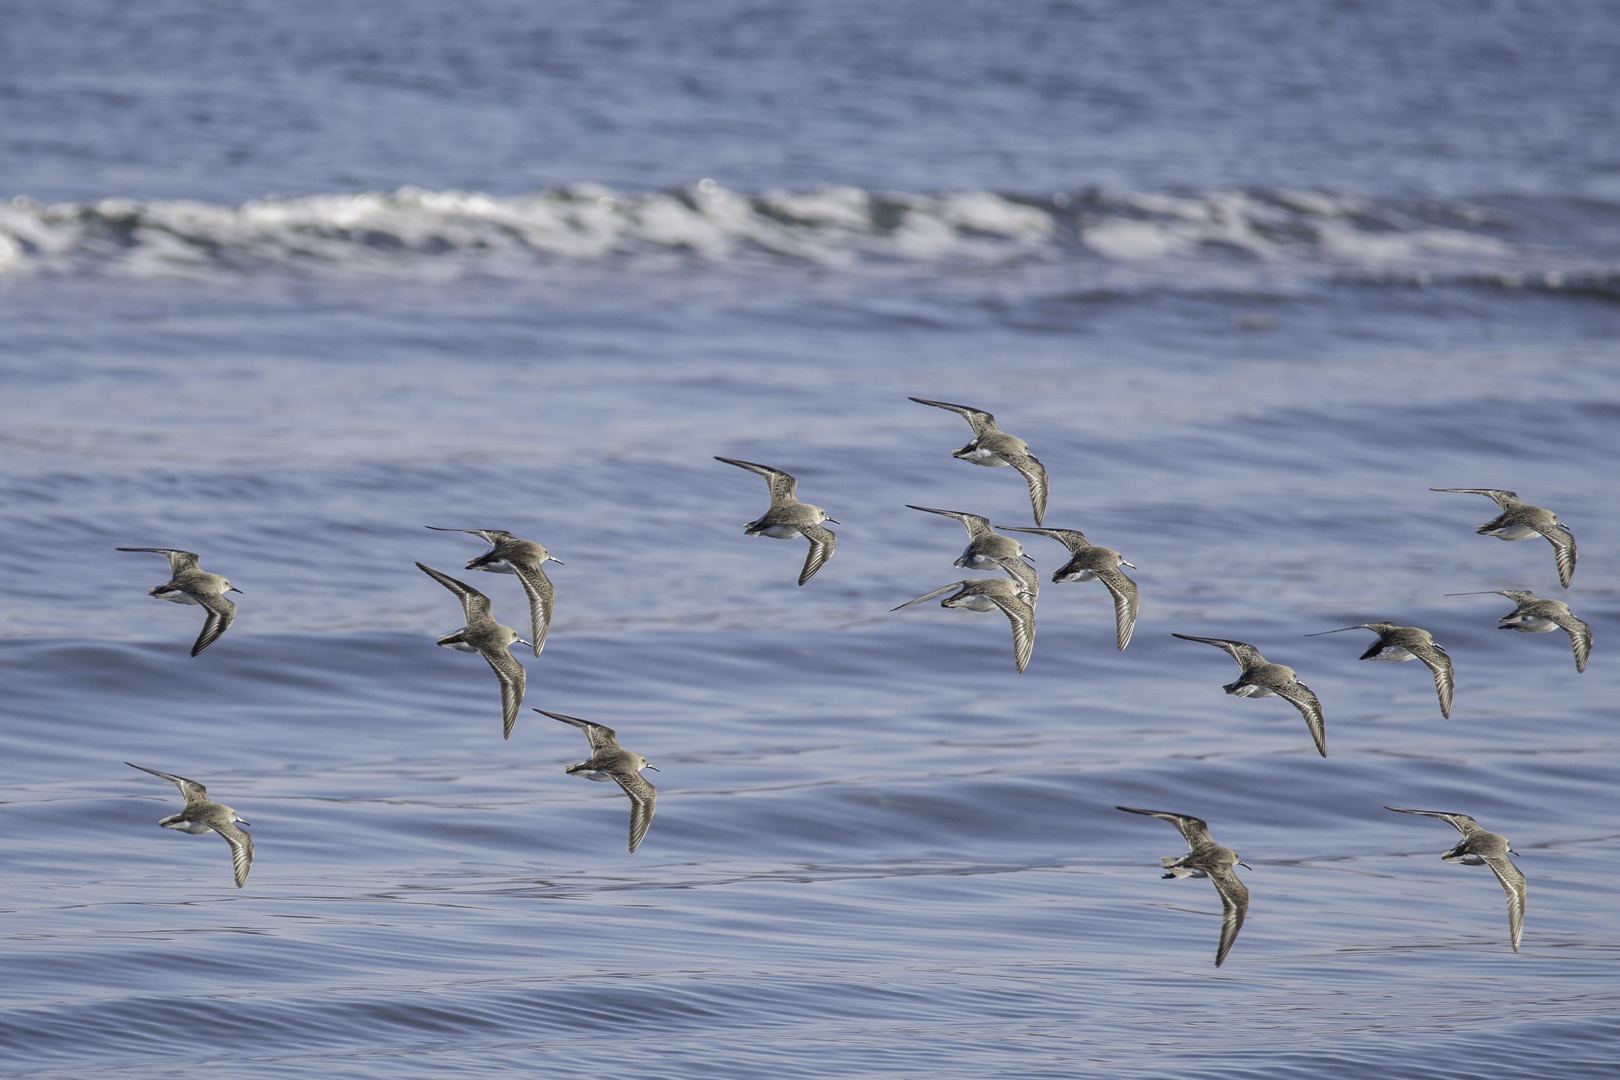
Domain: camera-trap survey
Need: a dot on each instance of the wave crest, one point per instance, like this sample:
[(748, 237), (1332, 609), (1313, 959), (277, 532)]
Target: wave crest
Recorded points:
[(420, 233)]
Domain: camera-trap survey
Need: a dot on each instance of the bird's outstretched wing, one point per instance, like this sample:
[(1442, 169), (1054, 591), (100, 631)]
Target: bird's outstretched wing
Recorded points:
[(1035, 474), (1563, 543), (1123, 590), (221, 613), (1246, 655), (492, 536), (1022, 617), (929, 596), (178, 560), (784, 488), (643, 801), (241, 848), (1435, 658), (1234, 906), (982, 422), (1513, 885), (1073, 539), (1193, 830), (1461, 822), (513, 680), (474, 604), (541, 599), (601, 736), (978, 528), (1580, 637), (195, 794), (1503, 498), (1300, 697), (822, 543)]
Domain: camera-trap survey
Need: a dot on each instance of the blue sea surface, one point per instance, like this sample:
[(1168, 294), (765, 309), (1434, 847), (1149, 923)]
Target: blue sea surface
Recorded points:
[(284, 284)]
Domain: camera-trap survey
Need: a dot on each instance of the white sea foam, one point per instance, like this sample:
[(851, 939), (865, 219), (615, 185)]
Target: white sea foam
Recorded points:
[(435, 234)]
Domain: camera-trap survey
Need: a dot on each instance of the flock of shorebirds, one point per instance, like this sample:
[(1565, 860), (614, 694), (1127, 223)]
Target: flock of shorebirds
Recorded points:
[(1014, 595)]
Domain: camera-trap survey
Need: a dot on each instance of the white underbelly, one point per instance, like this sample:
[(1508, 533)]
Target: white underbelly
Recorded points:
[(178, 597), (1251, 690), (193, 827), (977, 603), (977, 562), (1513, 532), (1392, 653), (1532, 624), (780, 532), (499, 566), (983, 457)]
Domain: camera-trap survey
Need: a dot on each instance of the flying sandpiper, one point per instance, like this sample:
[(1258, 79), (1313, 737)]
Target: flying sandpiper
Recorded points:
[(203, 815), (1088, 562), (1261, 678), (1398, 643), (524, 559), (489, 639), (992, 448), (190, 584), (610, 761), (1206, 858), (1521, 521), (1481, 848), (788, 517)]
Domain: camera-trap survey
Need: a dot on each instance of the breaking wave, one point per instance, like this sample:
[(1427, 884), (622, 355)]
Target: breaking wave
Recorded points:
[(443, 234)]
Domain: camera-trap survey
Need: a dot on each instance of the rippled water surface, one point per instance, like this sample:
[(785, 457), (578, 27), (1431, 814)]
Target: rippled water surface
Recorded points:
[(1248, 282)]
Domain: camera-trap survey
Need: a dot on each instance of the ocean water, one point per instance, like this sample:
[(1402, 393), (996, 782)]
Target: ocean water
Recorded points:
[(284, 285)]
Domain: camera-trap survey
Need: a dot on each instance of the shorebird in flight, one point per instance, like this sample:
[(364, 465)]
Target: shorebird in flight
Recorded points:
[(988, 594), (190, 584), (1537, 616), (788, 517), (1481, 848), (489, 639), (610, 761), (524, 559), (1521, 521), (203, 815), (992, 447), (1206, 858), (1088, 562), (1398, 643), (1261, 678), (986, 549)]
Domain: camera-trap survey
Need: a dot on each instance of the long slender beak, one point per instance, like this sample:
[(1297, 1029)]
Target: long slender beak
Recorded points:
[(553, 558), (835, 521), (234, 589), (654, 768), (520, 641), (249, 824), (1245, 865), (1132, 565)]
